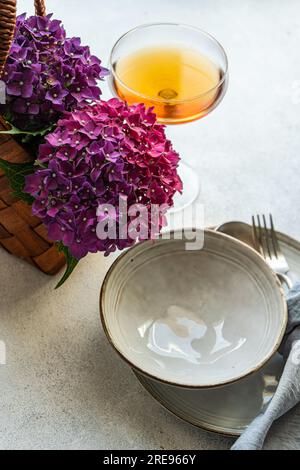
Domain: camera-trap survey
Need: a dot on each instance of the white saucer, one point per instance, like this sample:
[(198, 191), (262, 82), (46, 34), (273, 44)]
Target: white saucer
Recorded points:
[(228, 409)]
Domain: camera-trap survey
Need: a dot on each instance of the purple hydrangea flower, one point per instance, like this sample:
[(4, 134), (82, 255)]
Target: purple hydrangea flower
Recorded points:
[(94, 155), (47, 74)]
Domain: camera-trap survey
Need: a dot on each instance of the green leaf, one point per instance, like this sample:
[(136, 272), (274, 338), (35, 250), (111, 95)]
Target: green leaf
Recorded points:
[(15, 173), (15, 131), (71, 263)]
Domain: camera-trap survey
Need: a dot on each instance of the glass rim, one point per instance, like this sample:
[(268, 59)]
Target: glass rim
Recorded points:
[(181, 25)]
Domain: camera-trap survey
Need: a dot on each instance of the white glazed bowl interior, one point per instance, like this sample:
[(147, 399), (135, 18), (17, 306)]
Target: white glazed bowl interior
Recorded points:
[(193, 318)]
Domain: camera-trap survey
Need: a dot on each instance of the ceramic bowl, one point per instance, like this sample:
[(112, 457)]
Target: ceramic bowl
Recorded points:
[(193, 318)]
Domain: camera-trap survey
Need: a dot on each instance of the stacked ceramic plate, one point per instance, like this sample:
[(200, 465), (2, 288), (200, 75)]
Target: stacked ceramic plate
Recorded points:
[(200, 327)]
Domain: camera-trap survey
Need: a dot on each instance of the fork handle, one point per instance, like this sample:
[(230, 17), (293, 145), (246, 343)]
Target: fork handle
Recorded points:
[(285, 279)]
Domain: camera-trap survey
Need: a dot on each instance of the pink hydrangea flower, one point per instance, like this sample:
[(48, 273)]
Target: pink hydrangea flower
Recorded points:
[(95, 155)]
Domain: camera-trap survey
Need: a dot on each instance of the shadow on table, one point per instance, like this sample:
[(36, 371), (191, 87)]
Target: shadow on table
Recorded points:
[(130, 414)]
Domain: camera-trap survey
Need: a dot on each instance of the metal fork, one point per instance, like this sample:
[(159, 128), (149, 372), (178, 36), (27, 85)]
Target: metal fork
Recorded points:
[(266, 243)]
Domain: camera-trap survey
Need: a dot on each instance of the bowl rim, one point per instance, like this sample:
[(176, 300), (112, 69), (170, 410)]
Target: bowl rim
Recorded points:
[(264, 360)]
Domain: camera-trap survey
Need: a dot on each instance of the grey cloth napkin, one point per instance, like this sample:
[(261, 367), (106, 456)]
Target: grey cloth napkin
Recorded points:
[(287, 394)]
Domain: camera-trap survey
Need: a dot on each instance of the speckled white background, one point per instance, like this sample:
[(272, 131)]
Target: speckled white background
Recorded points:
[(63, 386)]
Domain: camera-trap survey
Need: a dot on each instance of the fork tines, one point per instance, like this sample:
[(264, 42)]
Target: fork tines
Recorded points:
[(264, 238)]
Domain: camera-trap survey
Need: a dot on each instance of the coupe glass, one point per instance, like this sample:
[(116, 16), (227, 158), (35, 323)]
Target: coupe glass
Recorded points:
[(180, 70)]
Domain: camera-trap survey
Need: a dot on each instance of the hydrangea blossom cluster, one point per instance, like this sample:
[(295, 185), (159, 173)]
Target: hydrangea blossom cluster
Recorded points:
[(94, 155), (47, 74)]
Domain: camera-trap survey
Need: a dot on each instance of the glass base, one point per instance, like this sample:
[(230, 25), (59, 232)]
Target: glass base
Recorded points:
[(191, 188)]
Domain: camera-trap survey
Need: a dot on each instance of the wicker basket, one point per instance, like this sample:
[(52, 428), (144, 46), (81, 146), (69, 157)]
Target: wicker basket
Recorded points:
[(21, 234)]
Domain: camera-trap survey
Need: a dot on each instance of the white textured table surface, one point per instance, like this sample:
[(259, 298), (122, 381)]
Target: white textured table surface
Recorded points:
[(63, 386)]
